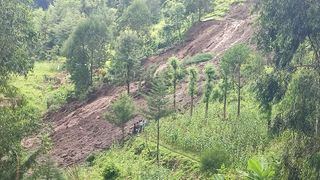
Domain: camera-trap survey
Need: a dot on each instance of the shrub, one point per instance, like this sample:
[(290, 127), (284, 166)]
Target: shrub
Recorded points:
[(58, 97), (315, 161), (71, 96), (198, 58), (138, 150), (90, 159), (213, 159), (111, 172), (259, 169)]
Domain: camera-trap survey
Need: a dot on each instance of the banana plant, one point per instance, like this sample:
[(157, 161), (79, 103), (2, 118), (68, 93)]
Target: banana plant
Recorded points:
[(258, 169)]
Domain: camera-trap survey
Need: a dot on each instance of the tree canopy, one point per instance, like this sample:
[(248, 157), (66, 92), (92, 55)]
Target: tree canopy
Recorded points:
[(128, 56), (16, 37), (86, 51), (285, 25)]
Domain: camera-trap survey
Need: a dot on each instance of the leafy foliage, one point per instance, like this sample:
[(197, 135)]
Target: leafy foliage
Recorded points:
[(259, 170), (239, 64), (302, 115), (190, 134), (157, 100), (86, 50), (15, 124), (137, 17), (142, 164), (122, 110), (175, 71), (213, 159), (192, 86), (16, 36), (128, 56), (198, 58), (110, 172), (48, 82), (199, 7), (282, 31), (209, 71), (157, 106), (174, 16), (55, 25)]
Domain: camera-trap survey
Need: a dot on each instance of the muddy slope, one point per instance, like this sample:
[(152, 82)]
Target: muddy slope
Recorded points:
[(79, 128)]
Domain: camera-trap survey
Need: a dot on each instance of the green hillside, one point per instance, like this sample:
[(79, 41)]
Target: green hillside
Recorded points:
[(159, 89)]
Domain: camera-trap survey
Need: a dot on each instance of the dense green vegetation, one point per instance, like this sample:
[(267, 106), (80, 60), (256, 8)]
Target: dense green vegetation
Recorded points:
[(198, 58), (143, 155), (46, 87), (255, 115), (122, 111)]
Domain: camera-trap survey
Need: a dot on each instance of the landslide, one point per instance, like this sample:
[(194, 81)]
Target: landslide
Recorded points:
[(78, 129)]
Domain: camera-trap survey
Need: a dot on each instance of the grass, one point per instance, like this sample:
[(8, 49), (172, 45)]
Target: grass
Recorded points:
[(137, 160), (242, 137), (40, 84), (221, 7), (198, 58)]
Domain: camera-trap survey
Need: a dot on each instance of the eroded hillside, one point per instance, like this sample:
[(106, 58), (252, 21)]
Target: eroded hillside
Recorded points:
[(78, 129)]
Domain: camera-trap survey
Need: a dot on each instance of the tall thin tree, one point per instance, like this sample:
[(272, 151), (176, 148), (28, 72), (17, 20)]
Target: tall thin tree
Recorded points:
[(175, 70), (232, 64), (193, 78), (128, 55), (209, 71), (157, 106)]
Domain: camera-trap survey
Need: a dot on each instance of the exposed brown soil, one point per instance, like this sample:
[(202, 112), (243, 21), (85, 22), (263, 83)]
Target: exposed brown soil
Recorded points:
[(79, 129)]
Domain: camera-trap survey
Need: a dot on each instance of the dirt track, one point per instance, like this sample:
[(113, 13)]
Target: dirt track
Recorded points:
[(79, 128)]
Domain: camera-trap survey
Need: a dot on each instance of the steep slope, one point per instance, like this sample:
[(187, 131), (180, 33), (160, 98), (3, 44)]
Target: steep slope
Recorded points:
[(79, 128)]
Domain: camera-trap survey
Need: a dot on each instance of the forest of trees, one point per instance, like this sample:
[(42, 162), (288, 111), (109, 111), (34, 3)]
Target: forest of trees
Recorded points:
[(108, 42)]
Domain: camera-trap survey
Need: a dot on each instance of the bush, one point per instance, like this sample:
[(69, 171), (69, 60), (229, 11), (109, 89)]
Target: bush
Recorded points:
[(259, 169), (138, 150), (198, 58), (315, 161), (213, 159), (58, 97), (111, 172), (55, 100), (71, 96), (90, 159)]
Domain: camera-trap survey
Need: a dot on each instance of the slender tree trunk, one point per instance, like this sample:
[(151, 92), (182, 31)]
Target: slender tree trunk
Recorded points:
[(200, 14), (128, 80), (239, 92), (192, 18), (206, 112), (269, 111), (225, 102), (174, 94), (191, 109), (317, 106), (158, 142), (317, 114), (91, 69), (317, 125)]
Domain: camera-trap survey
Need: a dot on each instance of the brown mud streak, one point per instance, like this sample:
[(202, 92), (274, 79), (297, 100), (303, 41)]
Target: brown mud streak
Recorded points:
[(79, 128)]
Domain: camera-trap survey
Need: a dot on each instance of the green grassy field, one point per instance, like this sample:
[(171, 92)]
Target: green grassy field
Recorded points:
[(137, 160), (45, 82)]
